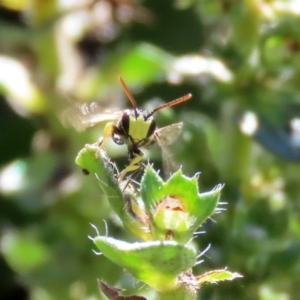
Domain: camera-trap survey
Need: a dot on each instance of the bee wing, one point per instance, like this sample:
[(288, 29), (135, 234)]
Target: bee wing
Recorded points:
[(88, 115), (169, 134), (166, 136)]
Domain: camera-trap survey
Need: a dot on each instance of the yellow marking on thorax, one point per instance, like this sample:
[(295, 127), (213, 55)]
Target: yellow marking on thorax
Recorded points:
[(138, 128)]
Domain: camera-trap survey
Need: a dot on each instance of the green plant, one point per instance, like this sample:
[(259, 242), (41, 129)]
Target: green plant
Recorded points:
[(164, 216)]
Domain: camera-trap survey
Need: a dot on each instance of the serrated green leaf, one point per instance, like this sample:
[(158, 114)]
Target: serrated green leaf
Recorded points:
[(179, 221), (206, 206), (151, 188), (216, 276), (94, 161), (185, 188), (156, 263)]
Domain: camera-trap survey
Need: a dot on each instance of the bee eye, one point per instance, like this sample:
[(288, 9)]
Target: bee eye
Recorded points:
[(125, 123)]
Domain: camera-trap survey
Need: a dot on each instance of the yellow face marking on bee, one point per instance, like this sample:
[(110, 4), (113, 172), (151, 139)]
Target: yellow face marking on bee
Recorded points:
[(139, 128)]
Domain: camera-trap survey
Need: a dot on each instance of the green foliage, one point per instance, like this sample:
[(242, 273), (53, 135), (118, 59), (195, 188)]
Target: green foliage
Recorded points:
[(170, 210), (176, 204), (239, 59), (156, 263)]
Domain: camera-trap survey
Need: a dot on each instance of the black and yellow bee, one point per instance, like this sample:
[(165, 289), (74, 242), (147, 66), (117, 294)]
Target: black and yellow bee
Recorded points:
[(135, 128)]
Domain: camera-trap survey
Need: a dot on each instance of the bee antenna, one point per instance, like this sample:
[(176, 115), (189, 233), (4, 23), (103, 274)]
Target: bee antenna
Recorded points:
[(128, 94), (171, 103)]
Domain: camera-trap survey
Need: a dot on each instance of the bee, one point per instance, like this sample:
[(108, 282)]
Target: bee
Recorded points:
[(136, 128)]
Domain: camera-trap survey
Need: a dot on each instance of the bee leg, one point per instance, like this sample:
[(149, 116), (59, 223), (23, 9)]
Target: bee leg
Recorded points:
[(134, 165), (107, 132)]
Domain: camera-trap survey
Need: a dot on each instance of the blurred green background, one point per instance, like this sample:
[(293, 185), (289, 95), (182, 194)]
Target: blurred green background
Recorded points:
[(241, 62)]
